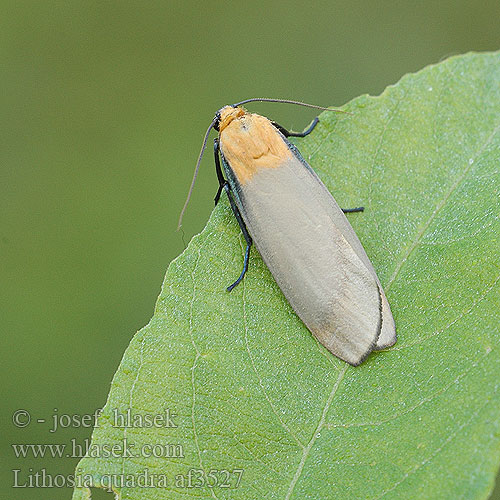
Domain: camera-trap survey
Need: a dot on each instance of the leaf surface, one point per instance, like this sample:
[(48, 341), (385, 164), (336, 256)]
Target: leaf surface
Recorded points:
[(250, 389)]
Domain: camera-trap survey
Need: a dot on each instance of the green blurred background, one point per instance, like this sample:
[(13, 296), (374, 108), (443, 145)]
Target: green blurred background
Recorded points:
[(103, 106)]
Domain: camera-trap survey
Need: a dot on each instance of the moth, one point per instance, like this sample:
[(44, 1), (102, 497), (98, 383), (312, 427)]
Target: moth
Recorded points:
[(300, 231)]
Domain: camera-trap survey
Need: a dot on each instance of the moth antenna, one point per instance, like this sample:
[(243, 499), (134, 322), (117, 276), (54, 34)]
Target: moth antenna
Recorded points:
[(195, 174), (288, 101)]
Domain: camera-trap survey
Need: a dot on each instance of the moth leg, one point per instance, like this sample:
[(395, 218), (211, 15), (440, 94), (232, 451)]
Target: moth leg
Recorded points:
[(245, 268), (246, 235), (352, 210), (288, 133), (218, 169), (223, 184)]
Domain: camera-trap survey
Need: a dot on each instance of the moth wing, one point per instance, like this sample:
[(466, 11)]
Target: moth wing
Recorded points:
[(321, 274), (387, 336)]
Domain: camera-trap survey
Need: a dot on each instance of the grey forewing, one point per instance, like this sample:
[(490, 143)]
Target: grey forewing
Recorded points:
[(388, 334), (272, 203), (317, 269)]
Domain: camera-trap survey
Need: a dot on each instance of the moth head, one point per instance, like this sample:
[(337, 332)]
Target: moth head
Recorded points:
[(226, 115)]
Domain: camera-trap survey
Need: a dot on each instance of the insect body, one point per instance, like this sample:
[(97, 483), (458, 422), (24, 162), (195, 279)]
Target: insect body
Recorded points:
[(302, 235)]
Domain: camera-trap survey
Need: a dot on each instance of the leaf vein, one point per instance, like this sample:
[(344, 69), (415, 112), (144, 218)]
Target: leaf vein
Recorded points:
[(456, 320), (321, 422), (131, 396), (193, 368), (259, 378), (439, 206), (435, 453), (427, 399)]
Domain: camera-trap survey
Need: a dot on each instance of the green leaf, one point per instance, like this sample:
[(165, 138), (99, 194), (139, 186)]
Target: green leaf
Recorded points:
[(247, 385)]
